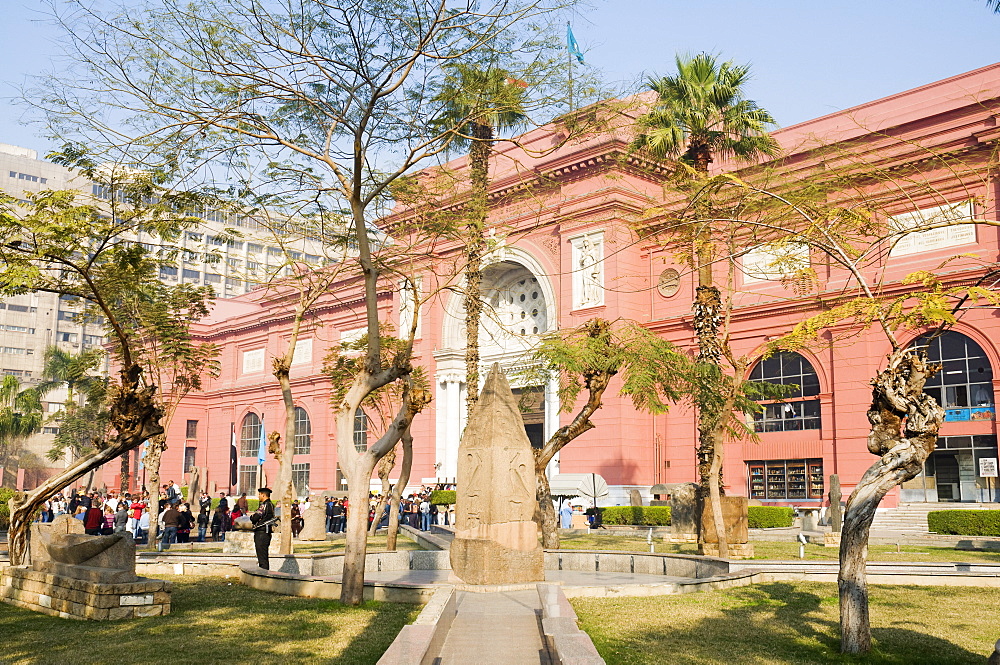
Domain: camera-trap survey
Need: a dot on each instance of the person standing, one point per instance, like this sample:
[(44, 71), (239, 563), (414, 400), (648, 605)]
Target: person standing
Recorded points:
[(170, 519), (202, 525), (121, 517), (243, 504), (566, 514), (93, 519), (262, 520), (205, 503), (425, 514)]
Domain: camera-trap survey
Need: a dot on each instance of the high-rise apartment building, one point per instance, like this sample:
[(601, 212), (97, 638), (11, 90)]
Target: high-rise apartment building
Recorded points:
[(231, 263)]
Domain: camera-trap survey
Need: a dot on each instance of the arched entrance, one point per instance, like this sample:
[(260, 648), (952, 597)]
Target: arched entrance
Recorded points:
[(518, 307)]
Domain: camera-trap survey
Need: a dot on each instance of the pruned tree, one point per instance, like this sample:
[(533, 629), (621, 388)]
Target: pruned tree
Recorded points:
[(338, 90), (56, 245)]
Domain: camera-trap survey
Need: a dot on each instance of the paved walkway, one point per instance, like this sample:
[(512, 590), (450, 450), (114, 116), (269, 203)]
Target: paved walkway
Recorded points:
[(495, 629), (568, 578)]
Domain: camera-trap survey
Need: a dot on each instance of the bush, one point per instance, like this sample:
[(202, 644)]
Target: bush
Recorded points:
[(5, 494), (443, 497), (770, 517), (637, 515), (965, 522)]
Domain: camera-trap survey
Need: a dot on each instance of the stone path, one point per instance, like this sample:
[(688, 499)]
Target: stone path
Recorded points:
[(500, 628), (568, 578)]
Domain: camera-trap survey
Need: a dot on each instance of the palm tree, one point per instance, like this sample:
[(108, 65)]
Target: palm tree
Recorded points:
[(74, 371), (994, 5), (20, 417), (477, 103), (701, 113)]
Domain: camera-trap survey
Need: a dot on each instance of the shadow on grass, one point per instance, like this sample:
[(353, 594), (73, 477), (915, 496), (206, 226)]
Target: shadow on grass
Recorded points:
[(767, 623), (213, 620)]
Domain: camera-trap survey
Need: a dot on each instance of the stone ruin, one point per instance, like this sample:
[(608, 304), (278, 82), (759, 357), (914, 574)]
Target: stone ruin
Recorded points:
[(496, 541), (76, 576)]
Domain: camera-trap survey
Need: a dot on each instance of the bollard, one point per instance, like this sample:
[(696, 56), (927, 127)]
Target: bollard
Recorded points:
[(649, 539)]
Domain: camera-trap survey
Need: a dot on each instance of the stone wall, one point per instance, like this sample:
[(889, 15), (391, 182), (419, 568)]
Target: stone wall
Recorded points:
[(81, 599)]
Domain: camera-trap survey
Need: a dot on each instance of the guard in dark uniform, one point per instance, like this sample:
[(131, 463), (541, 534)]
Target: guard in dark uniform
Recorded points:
[(263, 522)]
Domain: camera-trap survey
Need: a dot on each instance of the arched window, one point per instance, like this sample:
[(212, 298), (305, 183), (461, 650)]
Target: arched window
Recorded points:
[(250, 435), (303, 432), (966, 377), (360, 430), (797, 411)]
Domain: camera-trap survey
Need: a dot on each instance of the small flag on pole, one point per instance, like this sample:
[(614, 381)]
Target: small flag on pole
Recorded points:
[(233, 457), (262, 449), (142, 454), (572, 45)]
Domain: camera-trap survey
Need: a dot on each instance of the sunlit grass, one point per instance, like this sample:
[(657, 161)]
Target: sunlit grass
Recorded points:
[(794, 624), (213, 620)]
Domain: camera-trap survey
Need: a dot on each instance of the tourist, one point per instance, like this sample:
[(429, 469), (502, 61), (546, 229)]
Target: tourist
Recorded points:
[(223, 501), (425, 514), (202, 525), (566, 513), (142, 527), (185, 523), (121, 517), (338, 517), (135, 512), (263, 522), (297, 521), (328, 503), (108, 524), (170, 519), (92, 518), (220, 524), (205, 503), (177, 492), (243, 504)]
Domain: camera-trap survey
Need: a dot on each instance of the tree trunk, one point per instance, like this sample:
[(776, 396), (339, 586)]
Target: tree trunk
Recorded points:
[(352, 591), (134, 416), (479, 165), (904, 429), (154, 451), (397, 491), (125, 473), (385, 466), (547, 519), (715, 495)]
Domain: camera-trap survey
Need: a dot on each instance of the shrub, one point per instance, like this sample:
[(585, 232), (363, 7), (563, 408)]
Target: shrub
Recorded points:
[(5, 494), (770, 517), (637, 515), (965, 522), (442, 497)]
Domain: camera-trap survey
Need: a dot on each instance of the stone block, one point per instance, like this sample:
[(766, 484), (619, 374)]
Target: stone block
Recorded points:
[(314, 519), (684, 511), (44, 601), (130, 599), (119, 613), (734, 516), (496, 541), (736, 550), (148, 611)]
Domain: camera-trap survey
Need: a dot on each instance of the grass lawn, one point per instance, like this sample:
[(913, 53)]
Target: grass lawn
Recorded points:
[(213, 620), (793, 623), (784, 550)]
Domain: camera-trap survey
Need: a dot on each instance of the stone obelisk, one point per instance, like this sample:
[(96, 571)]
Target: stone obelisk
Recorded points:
[(496, 542)]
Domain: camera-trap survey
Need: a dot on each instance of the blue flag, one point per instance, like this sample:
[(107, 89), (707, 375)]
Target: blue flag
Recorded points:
[(142, 454), (574, 48), (262, 450)]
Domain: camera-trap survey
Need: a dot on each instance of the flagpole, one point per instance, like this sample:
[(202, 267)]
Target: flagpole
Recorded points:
[(569, 60)]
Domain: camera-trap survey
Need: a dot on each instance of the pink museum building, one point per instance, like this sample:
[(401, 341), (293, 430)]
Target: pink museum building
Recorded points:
[(564, 250)]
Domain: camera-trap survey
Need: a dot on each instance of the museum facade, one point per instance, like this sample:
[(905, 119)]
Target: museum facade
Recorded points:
[(564, 248)]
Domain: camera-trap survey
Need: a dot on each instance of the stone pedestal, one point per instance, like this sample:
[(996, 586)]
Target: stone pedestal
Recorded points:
[(684, 514), (734, 516), (314, 520), (496, 541), (76, 576), (810, 519), (241, 542)]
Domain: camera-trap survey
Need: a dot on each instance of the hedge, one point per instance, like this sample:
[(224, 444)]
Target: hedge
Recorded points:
[(637, 515), (965, 522), (5, 494), (769, 517), (442, 497)]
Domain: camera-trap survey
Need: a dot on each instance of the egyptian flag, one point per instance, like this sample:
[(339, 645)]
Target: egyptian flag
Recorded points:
[(232, 456)]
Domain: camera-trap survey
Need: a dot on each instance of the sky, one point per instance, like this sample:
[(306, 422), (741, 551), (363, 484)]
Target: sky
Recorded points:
[(808, 57)]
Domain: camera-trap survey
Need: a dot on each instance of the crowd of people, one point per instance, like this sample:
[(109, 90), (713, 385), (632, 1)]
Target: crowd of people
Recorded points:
[(108, 512), (105, 513)]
